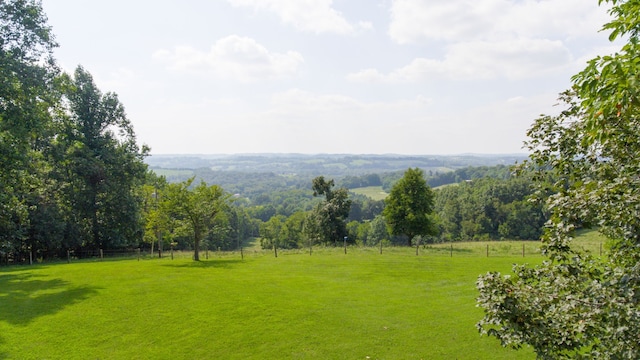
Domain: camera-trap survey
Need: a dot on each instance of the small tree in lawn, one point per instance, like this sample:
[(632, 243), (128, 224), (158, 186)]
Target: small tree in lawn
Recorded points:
[(197, 208), (408, 206)]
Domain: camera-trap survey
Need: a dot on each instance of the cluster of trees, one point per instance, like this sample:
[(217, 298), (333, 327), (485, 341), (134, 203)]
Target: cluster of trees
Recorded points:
[(73, 176), (71, 167), (489, 208)]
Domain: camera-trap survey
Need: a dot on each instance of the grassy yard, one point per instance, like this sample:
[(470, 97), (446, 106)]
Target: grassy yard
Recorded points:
[(362, 305), (328, 305), (325, 306)]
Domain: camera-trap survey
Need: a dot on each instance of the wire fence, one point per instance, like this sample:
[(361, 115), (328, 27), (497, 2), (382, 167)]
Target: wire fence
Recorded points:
[(456, 249)]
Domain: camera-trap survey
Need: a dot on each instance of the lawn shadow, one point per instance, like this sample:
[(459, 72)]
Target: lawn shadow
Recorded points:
[(3, 354), (25, 297), (211, 263)]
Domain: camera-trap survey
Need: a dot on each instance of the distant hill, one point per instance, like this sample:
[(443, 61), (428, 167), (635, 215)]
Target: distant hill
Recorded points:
[(333, 165)]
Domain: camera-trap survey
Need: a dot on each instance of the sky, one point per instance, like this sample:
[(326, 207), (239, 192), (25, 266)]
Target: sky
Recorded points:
[(411, 77)]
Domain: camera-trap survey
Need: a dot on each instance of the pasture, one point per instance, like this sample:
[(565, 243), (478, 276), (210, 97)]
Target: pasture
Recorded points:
[(374, 192), (328, 305)]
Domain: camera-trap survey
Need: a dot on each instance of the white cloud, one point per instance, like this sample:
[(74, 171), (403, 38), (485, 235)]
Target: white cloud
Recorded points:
[(489, 20), (232, 57), (317, 16), (513, 59)]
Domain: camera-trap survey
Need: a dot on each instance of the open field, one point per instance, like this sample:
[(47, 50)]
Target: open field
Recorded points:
[(329, 305), (374, 192)]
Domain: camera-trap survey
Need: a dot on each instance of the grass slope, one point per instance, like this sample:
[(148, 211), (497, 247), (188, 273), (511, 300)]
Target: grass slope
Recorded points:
[(325, 306)]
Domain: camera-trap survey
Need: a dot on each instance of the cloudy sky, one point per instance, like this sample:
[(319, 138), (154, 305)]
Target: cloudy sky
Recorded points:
[(323, 76)]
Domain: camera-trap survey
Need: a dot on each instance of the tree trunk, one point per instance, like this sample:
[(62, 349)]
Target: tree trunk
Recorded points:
[(196, 245)]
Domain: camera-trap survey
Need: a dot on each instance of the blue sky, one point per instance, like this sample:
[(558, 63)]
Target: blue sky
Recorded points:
[(322, 76)]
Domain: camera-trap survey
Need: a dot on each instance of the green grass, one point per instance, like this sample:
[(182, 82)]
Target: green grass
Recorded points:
[(329, 305), (374, 192), (325, 306)]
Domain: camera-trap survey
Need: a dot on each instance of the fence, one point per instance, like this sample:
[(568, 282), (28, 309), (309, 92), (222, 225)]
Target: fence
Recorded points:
[(456, 249)]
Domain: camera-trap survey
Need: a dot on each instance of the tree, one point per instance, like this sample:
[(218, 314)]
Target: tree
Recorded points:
[(157, 224), (408, 206), (330, 215), (377, 231), (99, 160), (197, 208), (574, 304), (270, 232), (28, 95)]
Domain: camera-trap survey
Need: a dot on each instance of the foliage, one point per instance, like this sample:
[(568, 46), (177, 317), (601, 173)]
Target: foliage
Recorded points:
[(329, 216), (71, 169), (101, 166), (576, 305), (27, 83), (489, 208), (409, 205), (199, 210)]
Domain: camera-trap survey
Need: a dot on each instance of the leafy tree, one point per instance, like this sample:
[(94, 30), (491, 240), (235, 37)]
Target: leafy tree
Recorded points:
[(157, 223), (197, 209), (292, 231), (270, 232), (575, 305), (27, 98), (331, 214), (409, 205), (102, 164), (377, 231)]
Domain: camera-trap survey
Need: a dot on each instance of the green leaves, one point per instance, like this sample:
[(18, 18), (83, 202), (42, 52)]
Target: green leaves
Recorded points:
[(574, 305), (408, 205)]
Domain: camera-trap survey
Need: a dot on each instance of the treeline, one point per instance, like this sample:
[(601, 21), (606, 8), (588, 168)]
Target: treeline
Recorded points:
[(486, 208)]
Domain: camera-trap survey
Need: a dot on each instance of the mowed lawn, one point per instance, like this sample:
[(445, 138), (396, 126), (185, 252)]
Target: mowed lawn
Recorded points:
[(362, 305)]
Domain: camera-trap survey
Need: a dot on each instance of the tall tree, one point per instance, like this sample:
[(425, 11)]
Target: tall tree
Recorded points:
[(197, 208), (573, 304), (27, 97), (103, 165), (408, 206)]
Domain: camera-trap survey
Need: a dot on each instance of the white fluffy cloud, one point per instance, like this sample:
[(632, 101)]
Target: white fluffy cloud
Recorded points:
[(317, 16), (488, 39), (488, 20), (513, 59), (232, 57)]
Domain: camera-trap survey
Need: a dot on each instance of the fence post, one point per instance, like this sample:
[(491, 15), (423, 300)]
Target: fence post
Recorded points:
[(68, 256), (487, 250), (241, 254), (600, 249), (30, 257), (101, 255), (522, 250), (451, 251), (138, 254)]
